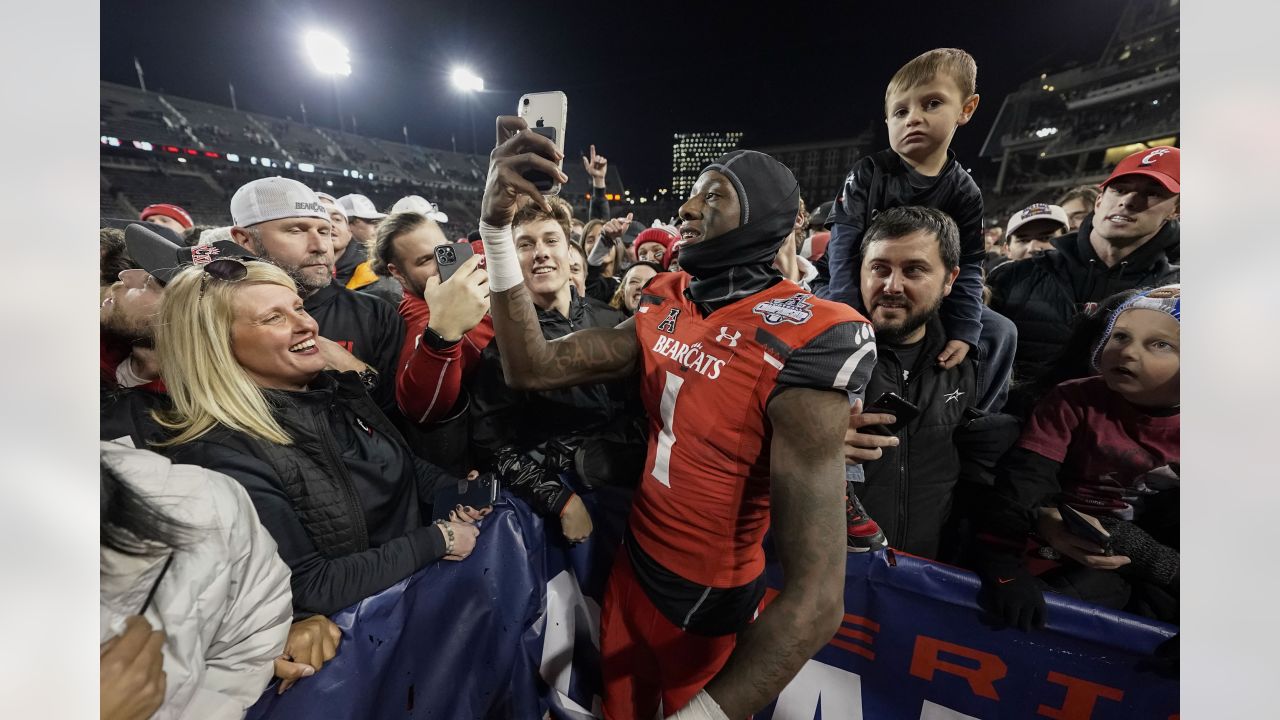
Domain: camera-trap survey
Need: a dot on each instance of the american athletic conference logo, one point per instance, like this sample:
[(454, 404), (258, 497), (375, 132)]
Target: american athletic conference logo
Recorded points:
[(795, 310)]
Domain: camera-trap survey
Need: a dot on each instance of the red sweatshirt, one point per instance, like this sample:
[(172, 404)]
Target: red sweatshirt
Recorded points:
[(430, 380)]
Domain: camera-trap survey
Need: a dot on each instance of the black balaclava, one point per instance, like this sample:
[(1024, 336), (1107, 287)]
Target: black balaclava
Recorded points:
[(740, 262)]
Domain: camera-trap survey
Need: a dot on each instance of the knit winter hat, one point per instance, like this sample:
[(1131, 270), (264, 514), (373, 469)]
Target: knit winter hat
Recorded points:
[(1167, 299), (663, 236), (172, 212)]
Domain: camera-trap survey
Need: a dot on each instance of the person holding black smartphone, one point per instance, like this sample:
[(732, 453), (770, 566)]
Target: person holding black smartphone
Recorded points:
[(922, 434), (1095, 478)]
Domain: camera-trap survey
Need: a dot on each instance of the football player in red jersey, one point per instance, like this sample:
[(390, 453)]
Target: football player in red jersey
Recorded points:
[(747, 380)]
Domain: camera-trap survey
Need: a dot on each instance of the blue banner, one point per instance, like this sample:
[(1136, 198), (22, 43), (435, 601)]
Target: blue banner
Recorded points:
[(513, 632)]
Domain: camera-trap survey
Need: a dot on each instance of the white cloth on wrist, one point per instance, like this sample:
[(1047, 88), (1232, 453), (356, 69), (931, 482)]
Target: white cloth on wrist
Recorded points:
[(500, 257), (701, 707)]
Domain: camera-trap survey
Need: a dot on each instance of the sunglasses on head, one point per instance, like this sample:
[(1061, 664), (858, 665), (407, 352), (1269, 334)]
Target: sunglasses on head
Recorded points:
[(225, 269)]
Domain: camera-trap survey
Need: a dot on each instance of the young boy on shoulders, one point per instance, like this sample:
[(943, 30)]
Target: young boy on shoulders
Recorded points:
[(926, 101)]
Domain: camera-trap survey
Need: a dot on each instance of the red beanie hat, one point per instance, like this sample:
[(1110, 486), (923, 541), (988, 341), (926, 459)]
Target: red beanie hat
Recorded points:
[(663, 237), (170, 211)]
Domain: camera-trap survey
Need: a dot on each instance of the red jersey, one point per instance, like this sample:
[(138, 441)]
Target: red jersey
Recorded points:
[(703, 504), (429, 381)]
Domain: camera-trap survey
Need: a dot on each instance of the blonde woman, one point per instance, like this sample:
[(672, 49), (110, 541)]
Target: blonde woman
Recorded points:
[(331, 478)]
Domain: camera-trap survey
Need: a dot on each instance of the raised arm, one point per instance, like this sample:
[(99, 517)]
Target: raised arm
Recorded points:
[(807, 496), (529, 361)]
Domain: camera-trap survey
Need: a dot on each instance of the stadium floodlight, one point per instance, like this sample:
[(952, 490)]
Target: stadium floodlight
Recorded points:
[(327, 54), (467, 81)]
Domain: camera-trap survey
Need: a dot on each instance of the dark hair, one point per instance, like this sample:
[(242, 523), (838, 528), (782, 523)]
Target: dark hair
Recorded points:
[(113, 256), (902, 221), (127, 521), (531, 212), (384, 245)]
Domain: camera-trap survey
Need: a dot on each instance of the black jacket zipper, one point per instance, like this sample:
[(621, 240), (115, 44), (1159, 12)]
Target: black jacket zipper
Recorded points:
[(335, 460)]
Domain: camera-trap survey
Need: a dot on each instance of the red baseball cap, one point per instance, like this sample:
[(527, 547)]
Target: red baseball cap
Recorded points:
[(1162, 163), (170, 211)]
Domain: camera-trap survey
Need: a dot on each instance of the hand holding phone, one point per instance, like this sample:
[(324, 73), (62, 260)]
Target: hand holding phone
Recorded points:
[(450, 256), (1078, 524), (479, 493), (546, 114), (517, 152), (902, 410)]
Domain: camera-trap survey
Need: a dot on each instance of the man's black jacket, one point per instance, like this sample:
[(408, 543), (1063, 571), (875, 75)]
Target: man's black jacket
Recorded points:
[(910, 491), (368, 328), (1044, 293)]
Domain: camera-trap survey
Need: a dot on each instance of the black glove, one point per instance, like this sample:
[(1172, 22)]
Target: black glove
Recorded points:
[(1009, 592), (527, 478)]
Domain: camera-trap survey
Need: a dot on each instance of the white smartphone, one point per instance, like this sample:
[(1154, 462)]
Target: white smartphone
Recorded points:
[(546, 113)]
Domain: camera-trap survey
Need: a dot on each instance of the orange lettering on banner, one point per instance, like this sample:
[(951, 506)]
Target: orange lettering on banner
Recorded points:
[(1082, 695), (925, 660)]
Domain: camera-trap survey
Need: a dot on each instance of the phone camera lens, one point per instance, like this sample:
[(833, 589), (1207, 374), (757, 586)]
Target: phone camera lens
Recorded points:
[(526, 101)]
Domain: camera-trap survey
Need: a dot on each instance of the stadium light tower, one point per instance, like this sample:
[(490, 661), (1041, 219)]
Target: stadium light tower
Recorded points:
[(331, 58), (469, 83)]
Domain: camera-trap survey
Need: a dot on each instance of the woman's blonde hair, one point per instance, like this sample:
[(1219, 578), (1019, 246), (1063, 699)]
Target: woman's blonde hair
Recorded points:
[(207, 385)]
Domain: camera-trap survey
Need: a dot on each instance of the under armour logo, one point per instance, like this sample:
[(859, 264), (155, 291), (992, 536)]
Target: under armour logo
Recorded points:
[(1151, 157), (669, 325), (953, 396), (724, 335)]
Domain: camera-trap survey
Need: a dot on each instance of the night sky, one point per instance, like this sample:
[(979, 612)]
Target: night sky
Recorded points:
[(634, 72)]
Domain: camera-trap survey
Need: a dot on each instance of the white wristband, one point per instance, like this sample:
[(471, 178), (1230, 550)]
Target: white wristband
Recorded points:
[(500, 257), (701, 707)]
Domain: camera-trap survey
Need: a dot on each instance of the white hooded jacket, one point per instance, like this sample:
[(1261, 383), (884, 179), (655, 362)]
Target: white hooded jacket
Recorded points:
[(224, 603)]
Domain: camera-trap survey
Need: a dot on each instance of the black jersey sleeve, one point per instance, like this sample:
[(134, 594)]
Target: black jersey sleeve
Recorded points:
[(841, 358)]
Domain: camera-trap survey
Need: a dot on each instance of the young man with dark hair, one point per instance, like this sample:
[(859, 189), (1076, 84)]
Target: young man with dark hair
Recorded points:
[(727, 338)]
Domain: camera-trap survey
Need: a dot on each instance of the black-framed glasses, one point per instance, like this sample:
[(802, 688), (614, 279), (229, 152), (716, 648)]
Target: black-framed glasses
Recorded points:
[(225, 269)]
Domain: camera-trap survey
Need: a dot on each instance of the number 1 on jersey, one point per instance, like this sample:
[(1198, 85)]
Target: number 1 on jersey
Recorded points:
[(667, 437)]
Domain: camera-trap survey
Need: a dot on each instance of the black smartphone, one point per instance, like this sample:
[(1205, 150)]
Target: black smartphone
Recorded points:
[(479, 493), (1080, 527), (450, 256), (904, 411)]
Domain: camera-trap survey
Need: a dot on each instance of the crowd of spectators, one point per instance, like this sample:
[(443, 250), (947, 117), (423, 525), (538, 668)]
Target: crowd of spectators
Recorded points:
[(317, 373)]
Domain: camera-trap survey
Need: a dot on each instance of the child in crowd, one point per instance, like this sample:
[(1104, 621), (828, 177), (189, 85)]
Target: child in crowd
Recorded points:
[(1108, 447), (926, 101)]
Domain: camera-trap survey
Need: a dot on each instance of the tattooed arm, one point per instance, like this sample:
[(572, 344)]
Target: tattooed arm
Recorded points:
[(807, 497), (529, 361)]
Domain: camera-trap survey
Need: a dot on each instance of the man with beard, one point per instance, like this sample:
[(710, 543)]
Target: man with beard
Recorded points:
[(681, 626), (910, 259), (283, 221), (447, 323)]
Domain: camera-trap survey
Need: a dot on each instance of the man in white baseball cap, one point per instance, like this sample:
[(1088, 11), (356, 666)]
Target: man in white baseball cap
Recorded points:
[(363, 217), (282, 220), (1031, 229)]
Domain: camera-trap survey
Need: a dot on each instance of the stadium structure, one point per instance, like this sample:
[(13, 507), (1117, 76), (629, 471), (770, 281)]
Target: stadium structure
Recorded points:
[(158, 147), (1070, 128)]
